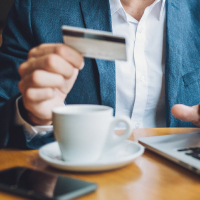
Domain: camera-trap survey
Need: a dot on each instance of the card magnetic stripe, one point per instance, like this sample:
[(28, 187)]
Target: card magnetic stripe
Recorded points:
[(93, 36)]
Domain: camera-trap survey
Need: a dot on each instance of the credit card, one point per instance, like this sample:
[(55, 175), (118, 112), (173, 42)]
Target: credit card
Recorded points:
[(95, 44)]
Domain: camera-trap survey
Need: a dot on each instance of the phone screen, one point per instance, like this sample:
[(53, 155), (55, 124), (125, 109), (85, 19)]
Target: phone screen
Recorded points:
[(42, 185)]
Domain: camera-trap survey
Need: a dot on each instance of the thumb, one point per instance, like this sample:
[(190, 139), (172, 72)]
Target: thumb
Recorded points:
[(187, 113)]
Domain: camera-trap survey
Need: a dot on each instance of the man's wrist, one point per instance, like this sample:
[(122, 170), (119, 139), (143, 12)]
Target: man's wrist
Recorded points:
[(29, 118), (30, 130)]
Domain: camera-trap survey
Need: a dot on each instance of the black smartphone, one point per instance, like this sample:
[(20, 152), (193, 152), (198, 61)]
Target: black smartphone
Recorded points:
[(36, 184)]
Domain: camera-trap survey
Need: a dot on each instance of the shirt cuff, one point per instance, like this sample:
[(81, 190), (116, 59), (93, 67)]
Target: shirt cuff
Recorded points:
[(31, 131)]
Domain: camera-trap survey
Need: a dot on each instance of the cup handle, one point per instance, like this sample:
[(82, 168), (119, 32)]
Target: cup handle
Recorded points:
[(113, 139)]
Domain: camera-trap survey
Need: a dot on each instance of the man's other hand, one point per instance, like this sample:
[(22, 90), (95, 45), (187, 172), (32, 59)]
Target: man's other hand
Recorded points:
[(46, 78), (187, 113)]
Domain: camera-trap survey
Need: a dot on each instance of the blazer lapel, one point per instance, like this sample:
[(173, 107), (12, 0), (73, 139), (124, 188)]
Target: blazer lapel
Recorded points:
[(96, 15), (173, 58)]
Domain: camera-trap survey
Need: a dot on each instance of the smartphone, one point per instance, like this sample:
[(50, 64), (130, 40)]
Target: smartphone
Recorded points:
[(36, 184)]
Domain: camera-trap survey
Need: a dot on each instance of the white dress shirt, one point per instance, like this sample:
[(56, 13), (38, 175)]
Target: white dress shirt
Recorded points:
[(140, 80)]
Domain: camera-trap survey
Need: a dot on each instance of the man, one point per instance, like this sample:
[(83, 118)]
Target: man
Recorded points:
[(54, 74)]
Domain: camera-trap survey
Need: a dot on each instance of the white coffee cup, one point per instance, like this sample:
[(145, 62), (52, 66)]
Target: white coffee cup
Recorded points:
[(85, 132)]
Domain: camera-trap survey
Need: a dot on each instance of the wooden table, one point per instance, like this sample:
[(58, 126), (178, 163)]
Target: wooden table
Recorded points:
[(150, 177)]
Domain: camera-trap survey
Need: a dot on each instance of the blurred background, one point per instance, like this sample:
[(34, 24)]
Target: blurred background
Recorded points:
[(5, 6)]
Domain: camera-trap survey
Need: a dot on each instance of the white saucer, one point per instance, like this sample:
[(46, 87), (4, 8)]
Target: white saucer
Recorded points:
[(125, 154)]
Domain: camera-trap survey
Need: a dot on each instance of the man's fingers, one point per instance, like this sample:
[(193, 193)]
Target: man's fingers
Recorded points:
[(43, 79), (34, 95), (68, 54), (51, 63), (187, 113), (43, 49), (39, 121), (38, 114)]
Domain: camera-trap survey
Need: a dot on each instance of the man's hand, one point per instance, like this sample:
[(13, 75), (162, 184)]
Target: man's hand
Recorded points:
[(187, 113), (46, 78)]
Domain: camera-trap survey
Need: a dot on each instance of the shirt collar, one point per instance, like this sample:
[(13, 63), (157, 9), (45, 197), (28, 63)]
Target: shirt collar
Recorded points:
[(162, 9), (115, 5)]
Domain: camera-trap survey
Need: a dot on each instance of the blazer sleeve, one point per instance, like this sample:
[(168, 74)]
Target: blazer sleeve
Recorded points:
[(18, 39)]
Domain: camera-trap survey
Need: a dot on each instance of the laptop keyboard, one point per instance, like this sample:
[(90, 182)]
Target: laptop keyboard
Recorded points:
[(192, 151)]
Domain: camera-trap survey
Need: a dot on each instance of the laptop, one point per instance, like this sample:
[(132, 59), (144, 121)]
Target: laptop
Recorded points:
[(183, 149)]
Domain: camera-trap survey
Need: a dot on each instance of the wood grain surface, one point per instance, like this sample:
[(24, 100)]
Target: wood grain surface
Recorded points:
[(149, 177)]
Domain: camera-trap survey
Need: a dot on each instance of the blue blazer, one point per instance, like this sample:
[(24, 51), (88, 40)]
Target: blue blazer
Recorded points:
[(32, 22)]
